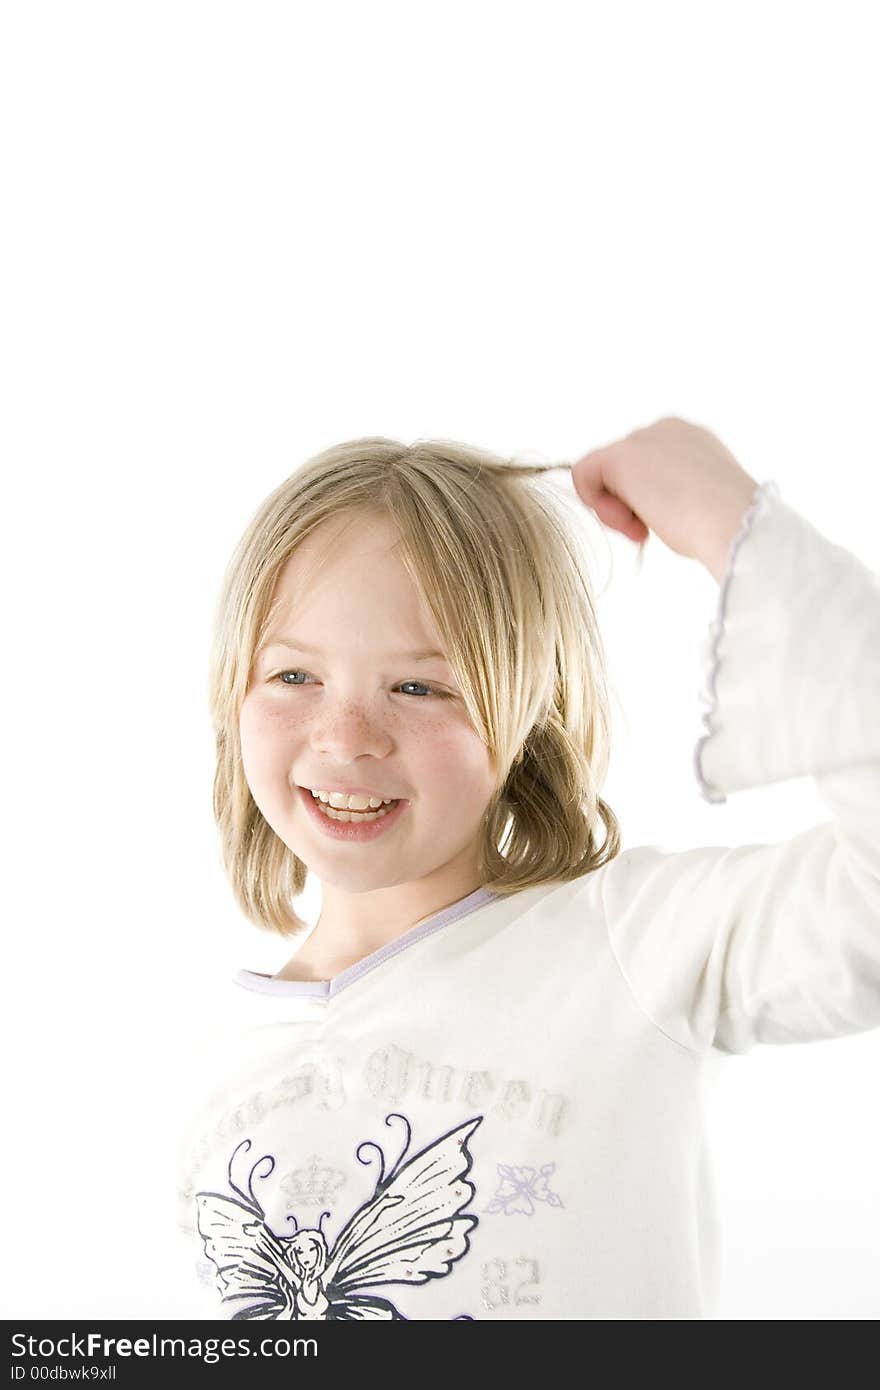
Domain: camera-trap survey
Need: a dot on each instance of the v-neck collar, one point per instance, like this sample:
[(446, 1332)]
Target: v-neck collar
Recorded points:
[(326, 989)]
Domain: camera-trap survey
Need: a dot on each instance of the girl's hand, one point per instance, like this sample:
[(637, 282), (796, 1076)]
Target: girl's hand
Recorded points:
[(674, 478)]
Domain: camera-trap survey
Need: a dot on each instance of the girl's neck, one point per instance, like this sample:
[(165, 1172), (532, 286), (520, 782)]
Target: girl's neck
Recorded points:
[(335, 945)]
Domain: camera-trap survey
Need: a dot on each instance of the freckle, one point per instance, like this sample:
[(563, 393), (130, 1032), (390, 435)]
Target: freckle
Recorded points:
[(274, 715)]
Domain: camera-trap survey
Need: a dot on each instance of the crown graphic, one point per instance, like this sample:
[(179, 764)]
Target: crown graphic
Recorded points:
[(313, 1184)]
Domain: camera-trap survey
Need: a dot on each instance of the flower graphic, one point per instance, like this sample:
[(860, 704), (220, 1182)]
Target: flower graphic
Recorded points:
[(520, 1188)]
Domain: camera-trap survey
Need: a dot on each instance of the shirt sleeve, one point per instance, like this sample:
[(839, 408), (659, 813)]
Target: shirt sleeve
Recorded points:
[(721, 947)]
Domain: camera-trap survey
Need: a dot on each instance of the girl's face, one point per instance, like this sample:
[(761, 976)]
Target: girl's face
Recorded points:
[(356, 710)]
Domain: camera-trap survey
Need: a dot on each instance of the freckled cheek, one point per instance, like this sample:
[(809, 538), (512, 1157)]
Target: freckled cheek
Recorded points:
[(446, 756), (454, 763), (266, 709), (267, 733)]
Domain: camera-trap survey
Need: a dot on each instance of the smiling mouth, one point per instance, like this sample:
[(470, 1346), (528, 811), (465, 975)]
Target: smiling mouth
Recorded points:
[(353, 812), (342, 814), (383, 801)]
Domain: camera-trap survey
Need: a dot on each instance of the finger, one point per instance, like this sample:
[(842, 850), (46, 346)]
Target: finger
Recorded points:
[(616, 514), (589, 476), (593, 478)]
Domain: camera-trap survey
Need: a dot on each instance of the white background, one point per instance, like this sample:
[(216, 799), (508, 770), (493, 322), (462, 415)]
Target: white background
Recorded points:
[(235, 234)]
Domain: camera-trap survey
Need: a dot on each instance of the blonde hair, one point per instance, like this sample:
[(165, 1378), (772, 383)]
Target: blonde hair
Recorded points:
[(505, 575)]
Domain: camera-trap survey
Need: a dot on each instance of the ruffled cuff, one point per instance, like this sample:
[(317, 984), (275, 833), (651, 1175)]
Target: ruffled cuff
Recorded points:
[(792, 657), (709, 651)]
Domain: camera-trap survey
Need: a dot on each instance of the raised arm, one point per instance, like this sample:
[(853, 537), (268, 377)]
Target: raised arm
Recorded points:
[(771, 943)]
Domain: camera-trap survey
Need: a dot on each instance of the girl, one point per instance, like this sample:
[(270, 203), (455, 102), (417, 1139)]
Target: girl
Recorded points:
[(475, 1088)]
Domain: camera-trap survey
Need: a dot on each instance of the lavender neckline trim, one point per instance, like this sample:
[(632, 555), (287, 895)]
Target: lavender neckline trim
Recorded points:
[(328, 989)]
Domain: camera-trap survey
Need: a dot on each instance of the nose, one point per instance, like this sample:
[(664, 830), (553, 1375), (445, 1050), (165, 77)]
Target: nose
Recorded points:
[(349, 732)]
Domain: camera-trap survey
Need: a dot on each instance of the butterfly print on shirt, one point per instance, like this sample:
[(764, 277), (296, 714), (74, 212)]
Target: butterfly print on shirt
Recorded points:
[(412, 1229)]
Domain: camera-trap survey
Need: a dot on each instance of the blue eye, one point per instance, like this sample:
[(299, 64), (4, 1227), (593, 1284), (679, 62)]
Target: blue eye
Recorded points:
[(441, 694), (282, 674)]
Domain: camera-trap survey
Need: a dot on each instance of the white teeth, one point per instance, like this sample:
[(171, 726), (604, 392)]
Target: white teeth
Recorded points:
[(341, 802), (361, 816)]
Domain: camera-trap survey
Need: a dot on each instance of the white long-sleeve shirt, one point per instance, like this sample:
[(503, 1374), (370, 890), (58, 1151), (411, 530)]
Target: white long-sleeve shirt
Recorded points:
[(501, 1113)]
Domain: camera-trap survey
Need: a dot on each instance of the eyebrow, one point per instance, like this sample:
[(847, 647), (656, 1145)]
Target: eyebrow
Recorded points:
[(295, 645)]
